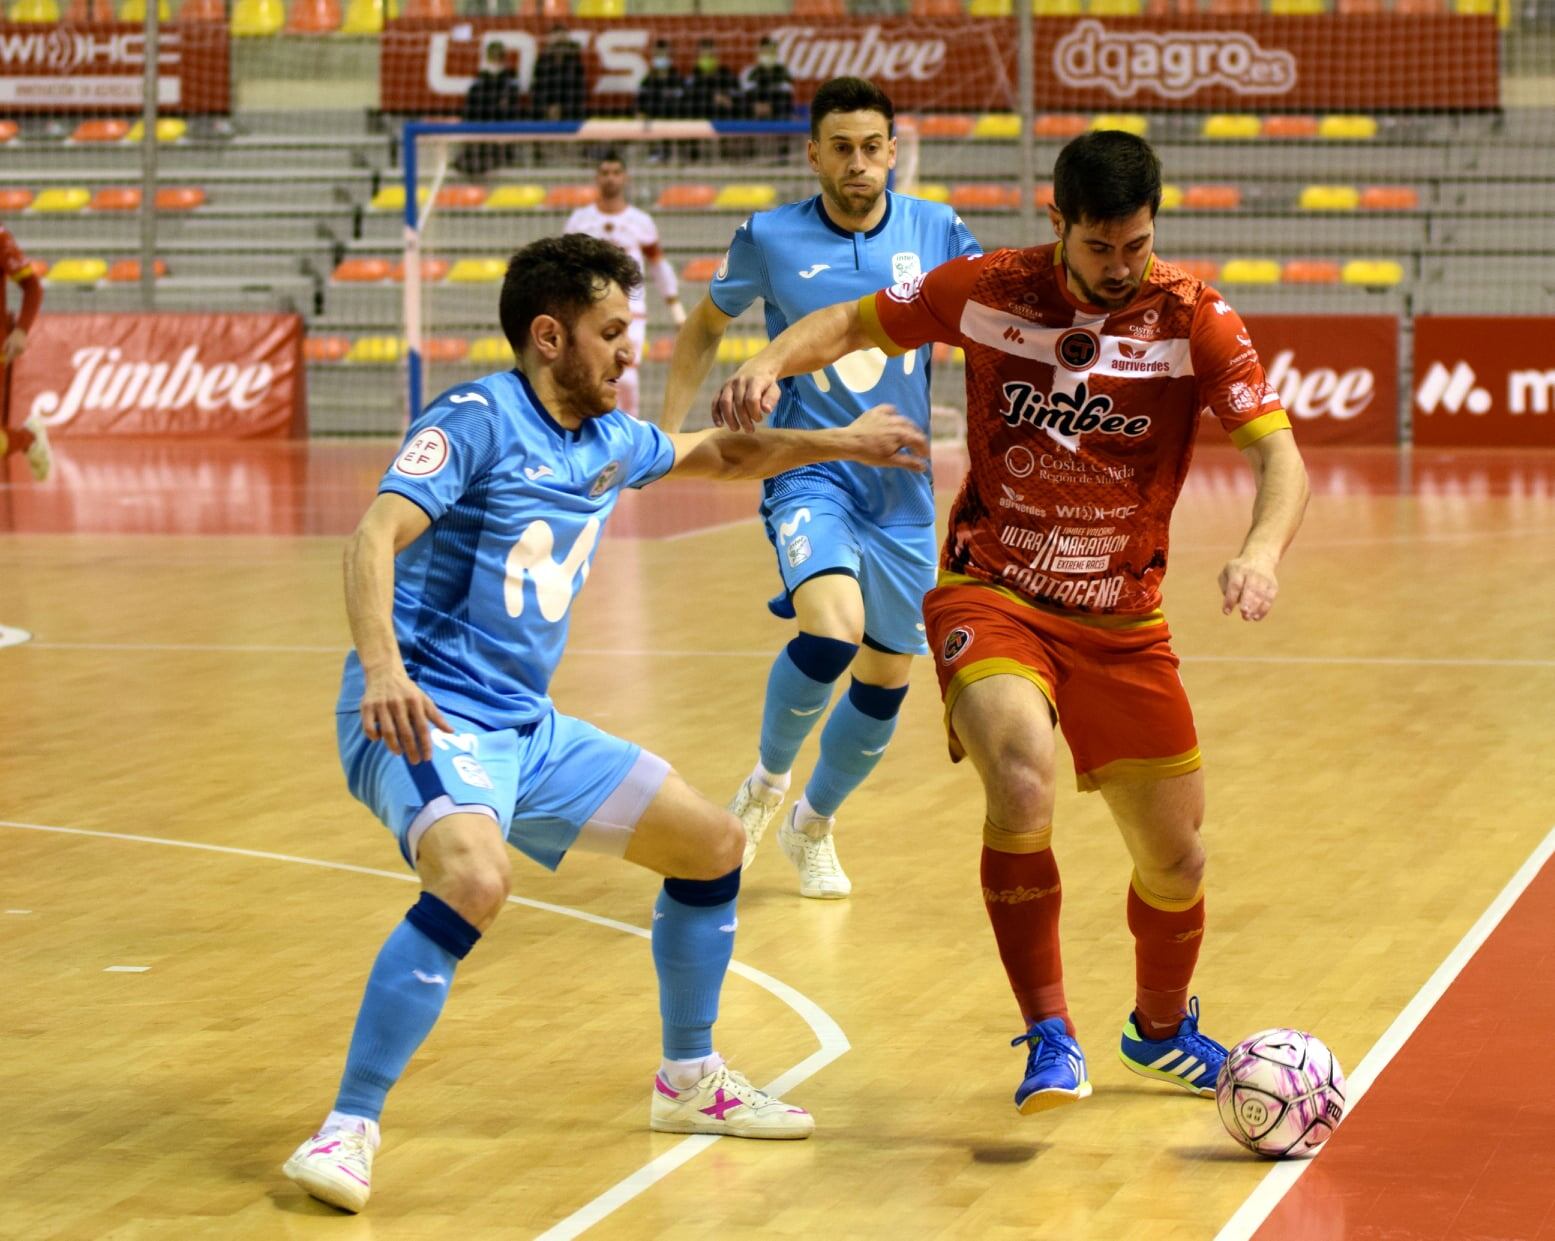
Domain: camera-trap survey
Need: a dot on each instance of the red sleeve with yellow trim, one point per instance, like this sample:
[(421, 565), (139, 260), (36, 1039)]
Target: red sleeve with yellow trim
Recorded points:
[(928, 307), (1231, 382), (13, 262)]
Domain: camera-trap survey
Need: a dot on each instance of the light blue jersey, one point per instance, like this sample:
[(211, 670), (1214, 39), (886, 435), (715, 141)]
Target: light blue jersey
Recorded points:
[(796, 260), (517, 502)]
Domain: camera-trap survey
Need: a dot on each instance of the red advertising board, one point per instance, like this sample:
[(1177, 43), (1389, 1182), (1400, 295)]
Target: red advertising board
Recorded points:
[(1337, 376), (100, 66), (216, 376), (1484, 381), (1257, 62)]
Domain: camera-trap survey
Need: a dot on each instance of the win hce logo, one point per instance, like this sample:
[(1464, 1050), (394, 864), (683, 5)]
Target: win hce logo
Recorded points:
[(1457, 390)]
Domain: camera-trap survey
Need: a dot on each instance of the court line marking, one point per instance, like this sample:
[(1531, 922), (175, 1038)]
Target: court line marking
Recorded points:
[(833, 1042), (1260, 1204)]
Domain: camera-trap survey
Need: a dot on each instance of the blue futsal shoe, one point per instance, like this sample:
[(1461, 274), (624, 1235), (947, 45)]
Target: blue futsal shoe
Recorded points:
[(1187, 1059), (1055, 1068)]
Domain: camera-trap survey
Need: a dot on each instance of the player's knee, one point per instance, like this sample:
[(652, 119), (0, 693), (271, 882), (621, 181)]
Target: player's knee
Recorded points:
[(479, 891), (725, 851), (1020, 797), (821, 658)]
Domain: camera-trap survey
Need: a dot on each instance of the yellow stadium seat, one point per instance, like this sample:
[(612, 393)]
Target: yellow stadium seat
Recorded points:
[(1115, 8), (600, 9), (1250, 271), (491, 349), (1232, 125), (745, 197), (257, 18), (477, 271), (376, 349), (1330, 198), (169, 129), (34, 11), (363, 17), (1373, 272), (932, 191), (1171, 197), (1003, 125), (990, 8), (1128, 122), (1055, 8), (61, 199), (1474, 8), (392, 197), (508, 198), (740, 348), (78, 271), (1347, 127), (135, 11), (1297, 8)]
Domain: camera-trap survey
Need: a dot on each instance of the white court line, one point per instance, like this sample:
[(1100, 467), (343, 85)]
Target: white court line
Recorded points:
[(1260, 1204), (833, 1042)]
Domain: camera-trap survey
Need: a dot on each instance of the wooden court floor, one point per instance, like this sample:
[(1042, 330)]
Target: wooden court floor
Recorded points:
[(189, 900)]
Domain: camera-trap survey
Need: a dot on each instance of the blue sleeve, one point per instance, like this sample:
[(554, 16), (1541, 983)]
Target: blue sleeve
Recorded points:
[(961, 240), (446, 450), (742, 277), (652, 454)]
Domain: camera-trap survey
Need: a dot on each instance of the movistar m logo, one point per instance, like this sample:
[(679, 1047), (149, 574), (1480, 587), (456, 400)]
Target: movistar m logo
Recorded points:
[(531, 558)]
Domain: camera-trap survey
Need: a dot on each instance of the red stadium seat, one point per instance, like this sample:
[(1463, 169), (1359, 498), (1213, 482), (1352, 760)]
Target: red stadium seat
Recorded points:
[(432, 270), (202, 11), (698, 271), (1233, 8), (326, 348), (686, 197), (127, 271), (310, 16), (1390, 198), (1310, 271), (1206, 270), (935, 8), (180, 198), (15, 200), (1060, 125), (1212, 198), (819, 8), (101, 131), (1289, 127), (945, 125), (461, 197), (1044, 195), (115, 198), (445, 348), (983, 196), (8, 130), (661, 348), (361, 271), (570, 196)]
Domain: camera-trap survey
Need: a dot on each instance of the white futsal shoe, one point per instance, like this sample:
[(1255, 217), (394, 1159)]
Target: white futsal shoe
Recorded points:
[(336, 1165), (40, 457), (755, 806), (812, 848), (724, 1102)]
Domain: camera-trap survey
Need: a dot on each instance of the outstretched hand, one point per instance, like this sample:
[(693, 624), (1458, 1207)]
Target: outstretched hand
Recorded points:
[(885, 438), (1248, 583)]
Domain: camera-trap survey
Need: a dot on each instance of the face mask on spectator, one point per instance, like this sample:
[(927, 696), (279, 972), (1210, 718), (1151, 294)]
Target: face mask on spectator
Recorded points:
[(707, 63), (661, 62), (768, 58)]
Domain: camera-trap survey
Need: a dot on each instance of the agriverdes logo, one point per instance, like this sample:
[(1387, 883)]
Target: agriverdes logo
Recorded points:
[(1174, 65)]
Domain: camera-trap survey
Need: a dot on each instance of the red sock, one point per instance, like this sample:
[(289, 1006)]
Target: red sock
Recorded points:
[(14, 440), (1167, 935), (1022, 895)]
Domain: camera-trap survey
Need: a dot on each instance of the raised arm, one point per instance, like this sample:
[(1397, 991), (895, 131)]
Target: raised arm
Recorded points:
[(815, 341), (1248, 581), (878, 436), (696, 346)]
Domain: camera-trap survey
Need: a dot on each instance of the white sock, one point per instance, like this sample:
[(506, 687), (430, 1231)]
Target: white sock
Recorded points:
[(684, 1074), (804, 811), (353, 1124), (776, 781)]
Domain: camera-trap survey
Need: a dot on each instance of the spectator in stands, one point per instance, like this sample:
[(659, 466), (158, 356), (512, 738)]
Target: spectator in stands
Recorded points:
[(661, 92), (492, 97), (769, 87), (712, 90), (558, 92), (29, 439)]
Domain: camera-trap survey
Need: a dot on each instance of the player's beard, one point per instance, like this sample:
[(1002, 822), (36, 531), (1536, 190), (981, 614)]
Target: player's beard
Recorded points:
[(1106, 300), (855, 204), (586, 391)]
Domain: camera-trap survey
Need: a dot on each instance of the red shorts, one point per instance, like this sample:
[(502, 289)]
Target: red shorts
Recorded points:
[(1114, 690)]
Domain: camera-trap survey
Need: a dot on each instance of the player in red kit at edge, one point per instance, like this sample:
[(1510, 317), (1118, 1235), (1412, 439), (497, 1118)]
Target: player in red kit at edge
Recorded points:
[(1088, 363), (30, 438)]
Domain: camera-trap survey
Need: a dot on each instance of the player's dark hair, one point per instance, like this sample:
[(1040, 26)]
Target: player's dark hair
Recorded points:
[(610, 156), (1106, 175), (850, 95), (561, 277)]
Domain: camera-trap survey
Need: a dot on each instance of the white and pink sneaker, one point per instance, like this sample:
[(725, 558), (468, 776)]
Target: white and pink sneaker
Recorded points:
[(335, 1165), (725, 1102)]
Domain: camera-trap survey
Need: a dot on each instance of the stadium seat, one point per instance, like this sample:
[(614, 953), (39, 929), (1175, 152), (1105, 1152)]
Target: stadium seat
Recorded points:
[(1329, 198), (1475, 8), (432, 270), (1231, 125), (1372, 272), (169, 129), (1390, 198), (932, 191), (326, 348), (1231, 8), (1128, 122), (997, 125), (1353, 8), (1115, 8), (34, 11), (1042, 195), (1250, 271), (1297, 8), (1420, 8), (1171, 197), (115, 198), (15, 199), (948, 355), (934, 8), (477, 271), (493, 349), (1206, 270), (701, 270), (127, 271), (445, 348), (202, 11), (61, 199), (461, 197), (508, 198), (556, 10), (661, 349), (944, 125), (567, 197), (370, 350), (363, 17), (1056, 8), (135, 11), (78, 271), (1059, 125), (990, 8), (607, 10), (686, 197), (808, 8), (8, 130), (738, 349), (313, 17), (100, 131), (392, 197), (180, 198), (1289, 127), (40, 268), (745, 196), (256, 19), (1212, 198), (1310, 271), (361, 271), (433, 10), (1347, 128), (985, 196)]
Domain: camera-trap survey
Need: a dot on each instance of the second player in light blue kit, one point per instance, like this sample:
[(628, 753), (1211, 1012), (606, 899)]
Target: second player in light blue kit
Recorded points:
[(855, 545)]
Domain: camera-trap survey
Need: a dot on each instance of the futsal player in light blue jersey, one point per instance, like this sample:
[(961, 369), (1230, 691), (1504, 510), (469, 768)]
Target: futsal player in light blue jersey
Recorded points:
[(459, 581), (855, 545)]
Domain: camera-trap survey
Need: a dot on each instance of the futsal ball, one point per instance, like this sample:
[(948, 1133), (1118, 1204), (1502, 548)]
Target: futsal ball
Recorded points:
[(1280, 1094)]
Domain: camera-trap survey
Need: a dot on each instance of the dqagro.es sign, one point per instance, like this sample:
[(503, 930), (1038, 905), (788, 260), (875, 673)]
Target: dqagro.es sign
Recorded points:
[(220, 376), (1337, 375), (1484, 382), (100, 67), (1329, 61)]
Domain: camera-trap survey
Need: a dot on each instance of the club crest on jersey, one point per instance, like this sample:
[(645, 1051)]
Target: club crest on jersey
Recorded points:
[(1077, 349), (425, 455), (605, 480), (1067, 414), (905, 266), (956, 642)]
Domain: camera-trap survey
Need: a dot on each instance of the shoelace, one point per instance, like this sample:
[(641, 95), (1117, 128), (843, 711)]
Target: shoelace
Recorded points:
[(1045, 1052), (1200, 1045), (821, 857)]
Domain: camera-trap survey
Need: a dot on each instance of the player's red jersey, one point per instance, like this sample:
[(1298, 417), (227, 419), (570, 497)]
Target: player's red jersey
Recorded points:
[(1080, 421), (14, 265)]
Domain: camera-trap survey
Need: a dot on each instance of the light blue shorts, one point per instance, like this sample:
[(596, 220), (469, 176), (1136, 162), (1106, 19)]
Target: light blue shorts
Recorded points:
[(895, 565), (550, 785)]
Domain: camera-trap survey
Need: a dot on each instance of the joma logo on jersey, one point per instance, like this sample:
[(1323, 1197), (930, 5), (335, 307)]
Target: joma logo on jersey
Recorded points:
[(1068, 415)]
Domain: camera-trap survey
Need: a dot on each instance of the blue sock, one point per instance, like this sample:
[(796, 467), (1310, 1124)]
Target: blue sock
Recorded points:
[(798, 689), (405, 994), (855, 736), (693, 939)]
